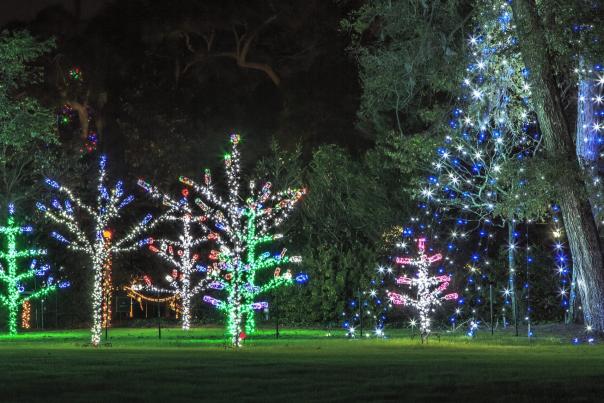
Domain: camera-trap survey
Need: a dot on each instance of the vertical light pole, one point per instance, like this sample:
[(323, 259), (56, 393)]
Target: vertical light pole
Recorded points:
[(158, 317), (107, 316), (42, 313), (276, 310), (360, 311), (491, 306)]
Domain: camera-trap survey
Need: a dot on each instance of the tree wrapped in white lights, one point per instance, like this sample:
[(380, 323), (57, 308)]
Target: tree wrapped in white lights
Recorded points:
[(429, 289), (493, 130), (14, 277), (91, 232), (245, 225), (188, 276)]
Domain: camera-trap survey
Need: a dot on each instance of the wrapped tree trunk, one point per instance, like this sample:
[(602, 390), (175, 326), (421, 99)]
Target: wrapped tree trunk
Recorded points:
[(186, 306), (97, 306), (576, 210)]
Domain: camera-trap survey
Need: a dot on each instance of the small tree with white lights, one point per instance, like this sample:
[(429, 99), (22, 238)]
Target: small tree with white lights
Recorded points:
[(188, 276)]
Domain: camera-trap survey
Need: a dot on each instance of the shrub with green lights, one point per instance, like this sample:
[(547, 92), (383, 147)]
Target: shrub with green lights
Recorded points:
[(15, 277)]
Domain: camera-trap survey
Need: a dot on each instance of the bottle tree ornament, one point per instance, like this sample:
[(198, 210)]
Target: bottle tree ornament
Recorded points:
[(91, 229), (245, 226), (14, 276), (188, 276), (429, 289)]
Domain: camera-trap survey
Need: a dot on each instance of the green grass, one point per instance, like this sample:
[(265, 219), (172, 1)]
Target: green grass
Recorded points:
[(303, 365)]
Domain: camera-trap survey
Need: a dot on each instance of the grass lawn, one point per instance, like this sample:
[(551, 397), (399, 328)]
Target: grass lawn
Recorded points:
[(302, 365)]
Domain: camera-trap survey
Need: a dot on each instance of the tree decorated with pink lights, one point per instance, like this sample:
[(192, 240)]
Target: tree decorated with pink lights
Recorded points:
[(429, 289)]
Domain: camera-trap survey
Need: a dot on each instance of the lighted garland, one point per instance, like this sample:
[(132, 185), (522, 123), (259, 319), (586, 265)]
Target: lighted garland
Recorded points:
[(588, 144), (589, 124), (135, 292), (480, 275), (14, 276), (90, 227), (244, 226), (589, 128), (188, 276), (562, 268)]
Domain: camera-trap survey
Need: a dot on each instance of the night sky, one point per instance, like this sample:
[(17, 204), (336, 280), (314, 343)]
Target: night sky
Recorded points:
[(25, 10)]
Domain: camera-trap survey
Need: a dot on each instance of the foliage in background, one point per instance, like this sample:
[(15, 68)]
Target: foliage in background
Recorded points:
[(338, 232), (409, 54), (27, 135)]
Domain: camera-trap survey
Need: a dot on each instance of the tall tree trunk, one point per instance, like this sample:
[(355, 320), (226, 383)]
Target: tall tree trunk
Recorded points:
[(13, 313), (587, 145), (576, 210)]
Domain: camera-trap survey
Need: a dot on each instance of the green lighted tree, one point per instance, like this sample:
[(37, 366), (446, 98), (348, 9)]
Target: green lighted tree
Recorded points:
[(245, 226), (14, 277)]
